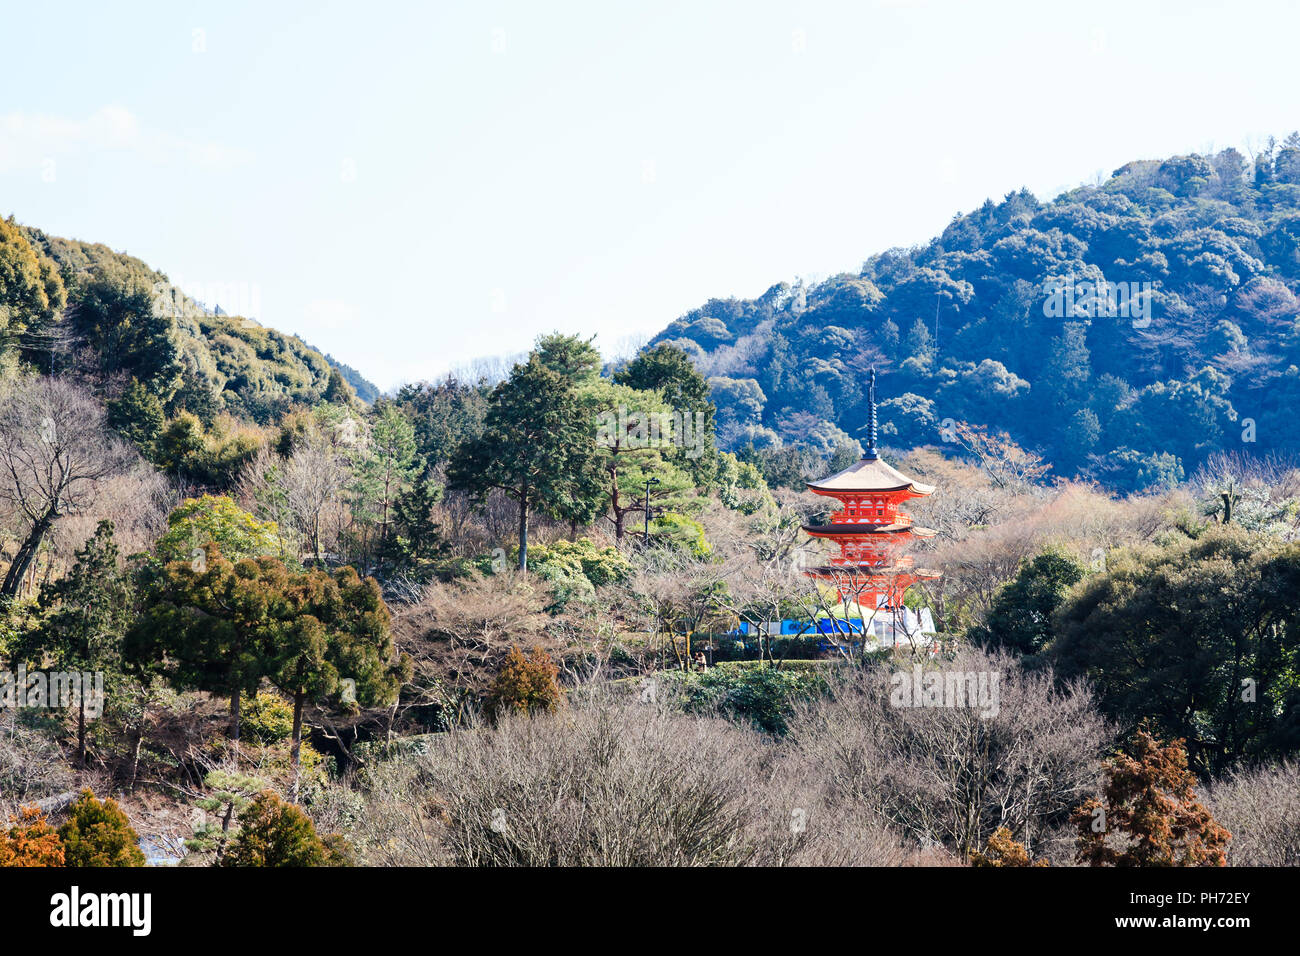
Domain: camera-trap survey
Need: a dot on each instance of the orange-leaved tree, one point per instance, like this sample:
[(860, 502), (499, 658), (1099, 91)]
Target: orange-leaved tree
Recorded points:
[(1150, 815), (30, 841)]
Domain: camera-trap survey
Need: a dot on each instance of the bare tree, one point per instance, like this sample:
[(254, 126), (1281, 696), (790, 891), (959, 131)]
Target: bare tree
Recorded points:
[(314, 479), (459, 633), (1260, 807), (54, 451), (952, 773)]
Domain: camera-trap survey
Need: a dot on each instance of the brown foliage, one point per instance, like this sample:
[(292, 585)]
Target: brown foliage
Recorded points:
[(525, 684), (1150, 815), (1002, 850)]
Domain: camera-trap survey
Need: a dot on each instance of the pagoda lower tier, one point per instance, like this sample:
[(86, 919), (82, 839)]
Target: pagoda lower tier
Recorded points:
[(871, 568)]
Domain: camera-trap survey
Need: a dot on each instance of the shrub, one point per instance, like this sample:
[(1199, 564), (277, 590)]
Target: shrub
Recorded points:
[(610, 782), (525, 684), (265, 718), (954, 774), (99, 834), (30, 841), (763, 696), (275, 833), (1002, 850)]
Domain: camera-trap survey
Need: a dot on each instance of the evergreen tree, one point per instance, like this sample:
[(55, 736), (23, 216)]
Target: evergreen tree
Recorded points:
[(99, 834), (573, 357), (337, 390), (537, 447), (273, 833), (386, 469), (137, 416), (337, 627), (668, 370), (88, 614), (223, 628), (1020, 618), (416, 541)]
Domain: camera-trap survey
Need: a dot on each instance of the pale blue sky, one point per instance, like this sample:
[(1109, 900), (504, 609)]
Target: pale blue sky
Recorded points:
[(409, 186)]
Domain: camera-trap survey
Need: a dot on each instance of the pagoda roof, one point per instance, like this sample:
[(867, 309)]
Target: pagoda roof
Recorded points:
[(869, 474), (854, 529)]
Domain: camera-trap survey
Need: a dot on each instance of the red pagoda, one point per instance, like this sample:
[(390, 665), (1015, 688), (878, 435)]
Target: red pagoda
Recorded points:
[(872, 531)]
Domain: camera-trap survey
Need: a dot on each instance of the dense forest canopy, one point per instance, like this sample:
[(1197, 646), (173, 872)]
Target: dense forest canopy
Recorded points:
[(1176, 336)]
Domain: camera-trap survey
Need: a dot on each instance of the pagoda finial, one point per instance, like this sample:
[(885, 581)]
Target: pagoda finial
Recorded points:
[(871, 418)]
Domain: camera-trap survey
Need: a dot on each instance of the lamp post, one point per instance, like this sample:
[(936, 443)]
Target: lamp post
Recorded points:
[(648, 483)]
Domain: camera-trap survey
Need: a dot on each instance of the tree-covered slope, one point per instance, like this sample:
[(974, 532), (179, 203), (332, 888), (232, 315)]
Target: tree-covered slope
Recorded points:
[(992, 323), (124, 320)]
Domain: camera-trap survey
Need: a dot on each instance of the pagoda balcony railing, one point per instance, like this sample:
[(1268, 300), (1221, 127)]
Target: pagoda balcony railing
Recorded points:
[(898, 517), (873, 562)]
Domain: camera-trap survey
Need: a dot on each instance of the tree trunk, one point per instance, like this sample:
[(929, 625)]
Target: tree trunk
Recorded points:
[(614, 504), (523, 530), (234, 719), (135, 759), (26, 553), (81, 732), (296, 748)]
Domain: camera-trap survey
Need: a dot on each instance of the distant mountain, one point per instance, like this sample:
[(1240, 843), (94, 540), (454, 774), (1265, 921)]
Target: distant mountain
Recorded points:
[(1125, 331), (366, 390)]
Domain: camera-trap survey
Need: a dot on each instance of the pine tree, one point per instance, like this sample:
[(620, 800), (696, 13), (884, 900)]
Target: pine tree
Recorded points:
[(231, 794), (224, 628), (537, 447), (668, 370)]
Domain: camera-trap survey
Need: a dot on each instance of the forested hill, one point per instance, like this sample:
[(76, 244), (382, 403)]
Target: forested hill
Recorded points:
[(1134, 392), (84, 309)]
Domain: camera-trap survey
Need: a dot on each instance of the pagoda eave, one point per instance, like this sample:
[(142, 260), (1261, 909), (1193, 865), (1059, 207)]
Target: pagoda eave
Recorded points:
[(850, 529), (858, 570)]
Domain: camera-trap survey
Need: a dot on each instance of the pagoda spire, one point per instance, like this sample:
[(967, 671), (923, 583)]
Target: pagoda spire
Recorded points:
[(871, 452)]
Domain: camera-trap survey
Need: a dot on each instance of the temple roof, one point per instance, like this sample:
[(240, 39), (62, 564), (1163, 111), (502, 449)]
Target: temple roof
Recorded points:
[(870, 474), (854, 529)]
